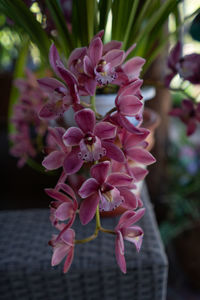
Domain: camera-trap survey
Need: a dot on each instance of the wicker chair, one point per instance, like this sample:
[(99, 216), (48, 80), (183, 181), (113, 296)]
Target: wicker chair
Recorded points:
[(25, 258)]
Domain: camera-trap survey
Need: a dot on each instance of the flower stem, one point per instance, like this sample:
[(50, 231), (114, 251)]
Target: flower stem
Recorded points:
[(88, 239), (98, 222), (92, 102), (107, 230)]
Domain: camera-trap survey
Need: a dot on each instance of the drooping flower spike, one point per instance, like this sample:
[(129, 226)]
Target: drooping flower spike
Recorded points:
[(110, 147)]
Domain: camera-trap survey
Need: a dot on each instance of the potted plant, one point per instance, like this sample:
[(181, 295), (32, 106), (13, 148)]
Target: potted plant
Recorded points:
[(107, 145)]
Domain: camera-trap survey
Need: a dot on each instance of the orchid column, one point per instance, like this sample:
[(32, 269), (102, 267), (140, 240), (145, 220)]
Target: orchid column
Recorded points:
[(101, 157)]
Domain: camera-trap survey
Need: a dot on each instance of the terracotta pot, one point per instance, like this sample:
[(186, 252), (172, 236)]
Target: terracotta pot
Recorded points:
[(151, 121)]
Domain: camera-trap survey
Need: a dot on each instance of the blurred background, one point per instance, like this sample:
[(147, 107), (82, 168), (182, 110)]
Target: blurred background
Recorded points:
[(156, 26)]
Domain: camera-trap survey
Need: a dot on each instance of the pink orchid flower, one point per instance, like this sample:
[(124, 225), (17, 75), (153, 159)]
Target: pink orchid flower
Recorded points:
[(61, 97), (57, 156), (130, 70), (64, 208), (102, 189), (64, 246), (94, 141), (189, 113), (125, 231), (186, 66), (96, 64), (133, 146)]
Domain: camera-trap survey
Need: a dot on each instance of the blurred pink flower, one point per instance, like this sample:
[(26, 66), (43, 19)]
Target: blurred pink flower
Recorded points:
[(186, 66), (189, 113)]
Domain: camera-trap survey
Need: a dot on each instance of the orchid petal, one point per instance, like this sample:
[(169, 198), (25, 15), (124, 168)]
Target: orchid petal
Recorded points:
[(119, 179), (87, 66), (54, 160), (88, 208), (130, 217), (119, 253), (100, 171), (129, 105), (140, 155), (134, 235), (139, 173), (114, 57), (67, 189), (68, 260), (59, 253), (57, 195), (95, 50), (72, 136), (105, 130), (90, 86), (88, 188), (133, 67), (111, 46), (131, 140), (125, 123), (85, 119), (113, 152), (76, 54), (50, 84), (68, 77), (64, 211), (130, 200), (55, 60), (72, 163)]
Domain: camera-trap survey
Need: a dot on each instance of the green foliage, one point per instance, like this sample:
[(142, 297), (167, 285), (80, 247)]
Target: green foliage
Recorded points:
[(25, 19), (182, 199), (132, 21)]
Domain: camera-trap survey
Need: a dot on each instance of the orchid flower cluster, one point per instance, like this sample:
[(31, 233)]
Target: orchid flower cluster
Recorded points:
[(188, 69), (30, 130), (102, 158)]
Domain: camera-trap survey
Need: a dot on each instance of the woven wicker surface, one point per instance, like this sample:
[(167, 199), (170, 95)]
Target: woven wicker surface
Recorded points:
[(25, 258)]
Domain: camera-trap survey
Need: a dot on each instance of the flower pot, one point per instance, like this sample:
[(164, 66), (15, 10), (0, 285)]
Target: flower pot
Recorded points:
[(151, 121)]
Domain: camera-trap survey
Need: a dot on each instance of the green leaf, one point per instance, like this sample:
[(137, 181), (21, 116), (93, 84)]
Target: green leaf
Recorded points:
[(195, 28), (18, 72), (25, 19), (104, 9), (64, 38), (79, 23), (130, 22)]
